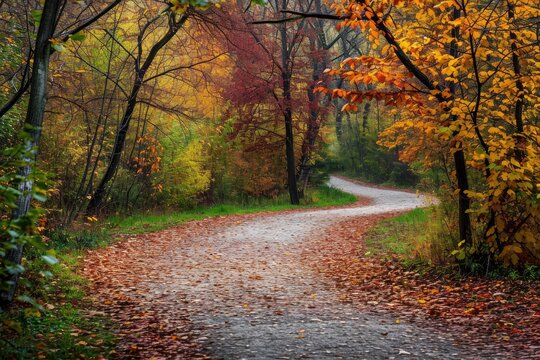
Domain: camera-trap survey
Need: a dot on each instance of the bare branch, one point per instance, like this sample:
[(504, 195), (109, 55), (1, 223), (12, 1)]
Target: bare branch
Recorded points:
[(299, 15), (184, 67), (88, 22)]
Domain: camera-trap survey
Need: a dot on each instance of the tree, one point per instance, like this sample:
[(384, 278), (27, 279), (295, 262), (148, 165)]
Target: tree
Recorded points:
[(174, 19), (286, 52), (73, 29), (319, 56), (151, 44), (450, 69), (33, 122), (33, 126)]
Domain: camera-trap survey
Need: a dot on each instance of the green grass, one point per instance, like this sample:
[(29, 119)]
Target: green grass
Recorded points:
[(423, 244), (144, 222), (419, 238), (70, 241), (62, 329), (52, 335), (405, 235)]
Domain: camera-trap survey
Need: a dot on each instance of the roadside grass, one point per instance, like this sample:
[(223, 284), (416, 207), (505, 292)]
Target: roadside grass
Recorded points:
[(60, 327), (323, 196), (413, 236), (421, 241)]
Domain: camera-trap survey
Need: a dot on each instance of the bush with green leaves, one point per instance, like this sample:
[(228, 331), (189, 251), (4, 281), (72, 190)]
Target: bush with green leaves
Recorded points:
[(21, 231)]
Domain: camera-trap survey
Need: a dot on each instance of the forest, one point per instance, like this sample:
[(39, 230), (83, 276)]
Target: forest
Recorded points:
[(153, 152)]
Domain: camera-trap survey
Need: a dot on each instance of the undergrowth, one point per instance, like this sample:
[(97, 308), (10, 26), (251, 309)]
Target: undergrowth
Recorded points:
[(407, 235), (146, 222), (58, 327), (420, 239)]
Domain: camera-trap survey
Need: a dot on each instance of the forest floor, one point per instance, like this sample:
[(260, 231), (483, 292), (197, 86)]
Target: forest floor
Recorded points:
[(298, 285)]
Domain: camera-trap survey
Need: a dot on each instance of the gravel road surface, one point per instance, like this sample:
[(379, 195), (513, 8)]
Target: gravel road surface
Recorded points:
[(249, 296)]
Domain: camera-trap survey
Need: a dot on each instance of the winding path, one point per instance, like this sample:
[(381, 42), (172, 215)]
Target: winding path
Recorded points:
[(248, 295)]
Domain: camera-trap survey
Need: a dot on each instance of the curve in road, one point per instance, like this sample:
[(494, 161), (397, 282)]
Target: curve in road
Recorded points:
[(249, 296)]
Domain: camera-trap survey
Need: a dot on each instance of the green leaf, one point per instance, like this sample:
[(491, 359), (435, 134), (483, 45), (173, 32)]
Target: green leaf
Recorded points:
[(78, 37), (26, 298), (49, 259), (47, 274), (58, 47), (32, 301), (14, 234), (40, 197), (444, 129), (36, 15), (15, 269)]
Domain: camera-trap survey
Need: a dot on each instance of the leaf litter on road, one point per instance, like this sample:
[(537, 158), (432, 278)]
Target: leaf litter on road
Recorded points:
[(501, 315), (157, 287)]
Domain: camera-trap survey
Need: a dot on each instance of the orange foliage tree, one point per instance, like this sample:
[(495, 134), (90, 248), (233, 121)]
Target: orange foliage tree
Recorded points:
[(464, 76)]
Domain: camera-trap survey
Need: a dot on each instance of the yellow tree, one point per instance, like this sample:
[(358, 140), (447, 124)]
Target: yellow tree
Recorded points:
[(464, 75), (93, 88)]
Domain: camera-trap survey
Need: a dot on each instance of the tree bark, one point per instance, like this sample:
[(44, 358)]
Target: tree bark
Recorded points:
[(518, 112), (315, 119), (365, 117), (33, 123), (464, 203)]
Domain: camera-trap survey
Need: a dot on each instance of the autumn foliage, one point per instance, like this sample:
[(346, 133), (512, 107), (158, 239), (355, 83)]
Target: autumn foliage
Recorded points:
[(464, 77), (119, 111)]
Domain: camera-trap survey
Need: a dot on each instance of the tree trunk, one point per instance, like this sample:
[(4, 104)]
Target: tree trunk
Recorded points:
[(459, 156), (291, 163), (365, 116), (464, 202), (310, 139), (316, 118), (33, 123), (287, 113), (120, 139), (339, 124), (521, 142)]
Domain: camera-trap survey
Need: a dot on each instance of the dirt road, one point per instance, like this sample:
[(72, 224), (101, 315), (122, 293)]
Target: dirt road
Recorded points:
[(236, 289)]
